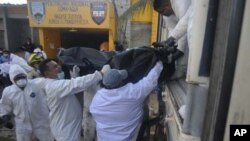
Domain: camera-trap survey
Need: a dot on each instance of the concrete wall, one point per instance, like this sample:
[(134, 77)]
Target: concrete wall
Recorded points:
[(17, 34), (2, 39), (140, 34), (17, 27), (1, 24), (1, 34)]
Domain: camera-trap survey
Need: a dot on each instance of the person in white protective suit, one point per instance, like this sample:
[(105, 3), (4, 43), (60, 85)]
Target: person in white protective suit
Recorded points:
[(118, 110), (176, 16), (65, 110), (28, 104), (14, 59)]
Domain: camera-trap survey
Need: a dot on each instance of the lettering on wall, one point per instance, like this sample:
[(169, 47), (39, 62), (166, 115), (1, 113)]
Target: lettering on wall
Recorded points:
[(67, 19), (67, 13), (59, 12)]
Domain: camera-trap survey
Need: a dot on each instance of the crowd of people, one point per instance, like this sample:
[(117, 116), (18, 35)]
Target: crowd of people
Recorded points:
[(44, 104), (46, 107)]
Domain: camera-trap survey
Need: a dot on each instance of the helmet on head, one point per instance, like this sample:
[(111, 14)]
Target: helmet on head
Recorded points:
[(34, 58)]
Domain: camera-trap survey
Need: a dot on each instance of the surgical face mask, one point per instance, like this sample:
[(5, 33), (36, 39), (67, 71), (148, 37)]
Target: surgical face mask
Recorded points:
[(5, 58), (21, 83), (39, 54), (60, 75)]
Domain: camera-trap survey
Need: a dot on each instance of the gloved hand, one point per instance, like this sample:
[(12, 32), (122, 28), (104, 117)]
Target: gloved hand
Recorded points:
[(60, 51), (75, 71), (105, 69), (6, 121), (4, 74), (174, 56), (171, 42), (8, 125), (6, 118)]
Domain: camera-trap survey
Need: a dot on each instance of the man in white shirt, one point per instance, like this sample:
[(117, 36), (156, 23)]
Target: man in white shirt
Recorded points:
[(176, 18), (117, 109), (65, 110)]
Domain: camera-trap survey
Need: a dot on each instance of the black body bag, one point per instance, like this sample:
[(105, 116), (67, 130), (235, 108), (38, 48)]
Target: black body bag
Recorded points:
[(137, 61)]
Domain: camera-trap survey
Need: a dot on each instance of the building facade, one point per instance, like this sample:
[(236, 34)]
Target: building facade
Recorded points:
[(14, 26)]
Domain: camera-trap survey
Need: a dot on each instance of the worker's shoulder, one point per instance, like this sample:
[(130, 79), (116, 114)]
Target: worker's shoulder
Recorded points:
[(41, 81), (10, 90)]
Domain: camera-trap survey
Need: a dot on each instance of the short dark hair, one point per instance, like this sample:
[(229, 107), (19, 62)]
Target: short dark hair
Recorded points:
[(43, 67), (19, 49), (159, 4), (6, 51)]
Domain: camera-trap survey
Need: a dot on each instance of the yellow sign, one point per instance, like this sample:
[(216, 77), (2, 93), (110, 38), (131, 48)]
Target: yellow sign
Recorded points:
[(69, 14)]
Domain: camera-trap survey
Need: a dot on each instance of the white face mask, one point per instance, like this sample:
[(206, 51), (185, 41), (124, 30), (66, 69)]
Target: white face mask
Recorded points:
[(21, 83), (60, 75)]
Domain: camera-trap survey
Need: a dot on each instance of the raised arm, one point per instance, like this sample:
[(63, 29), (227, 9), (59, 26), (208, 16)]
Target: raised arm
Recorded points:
[(181, 28), (143, 88), (67, 87)]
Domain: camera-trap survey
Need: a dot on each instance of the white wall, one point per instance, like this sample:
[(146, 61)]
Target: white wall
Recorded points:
[(239, 111)]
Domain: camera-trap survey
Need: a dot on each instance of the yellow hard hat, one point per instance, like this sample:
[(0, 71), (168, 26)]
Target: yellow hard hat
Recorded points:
[(34, 58)]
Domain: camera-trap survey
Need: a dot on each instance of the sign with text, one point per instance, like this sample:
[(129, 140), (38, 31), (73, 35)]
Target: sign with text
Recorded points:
[(239, 132), (77, 14)]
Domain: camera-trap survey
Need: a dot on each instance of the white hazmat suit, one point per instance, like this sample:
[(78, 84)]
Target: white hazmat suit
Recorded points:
[(118, 112), (177, 23), (65, 110), (29, 108)]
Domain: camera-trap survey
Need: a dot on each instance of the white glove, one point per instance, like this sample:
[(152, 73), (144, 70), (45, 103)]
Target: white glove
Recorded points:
[(4, 74), (182, 111), (105, 69), (75, 72)]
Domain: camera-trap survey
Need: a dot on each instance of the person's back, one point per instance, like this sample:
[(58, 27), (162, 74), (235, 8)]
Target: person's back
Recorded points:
[(118, 117), (119, 111)]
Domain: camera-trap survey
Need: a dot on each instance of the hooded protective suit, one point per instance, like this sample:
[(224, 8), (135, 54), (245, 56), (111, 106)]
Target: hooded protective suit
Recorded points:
[(118, 112), (29, 108), (65, 110)]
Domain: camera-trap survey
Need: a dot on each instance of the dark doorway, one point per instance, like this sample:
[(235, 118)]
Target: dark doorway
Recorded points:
[(83, 38)]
